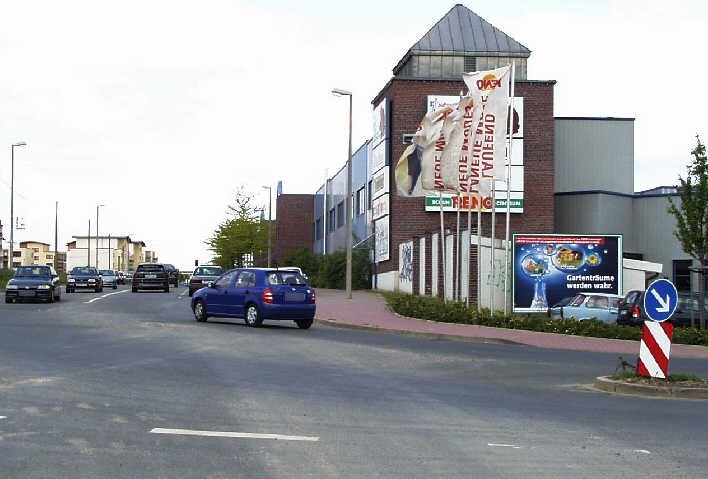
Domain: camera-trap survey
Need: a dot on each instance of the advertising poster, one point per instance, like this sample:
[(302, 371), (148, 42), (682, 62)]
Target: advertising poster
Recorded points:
[(547, 268)]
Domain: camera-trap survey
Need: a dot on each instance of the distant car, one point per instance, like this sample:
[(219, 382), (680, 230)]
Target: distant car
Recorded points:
[(202, 275), (632, 312), (584, 306), (33, 283), (127, 277), (110, 278), (150, 276), (173, 273), (84, 277), (556, 311), (257, 294)]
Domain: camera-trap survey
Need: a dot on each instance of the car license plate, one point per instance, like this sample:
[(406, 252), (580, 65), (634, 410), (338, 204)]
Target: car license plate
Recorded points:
[(294, 297), (26, 293), (150, 276)]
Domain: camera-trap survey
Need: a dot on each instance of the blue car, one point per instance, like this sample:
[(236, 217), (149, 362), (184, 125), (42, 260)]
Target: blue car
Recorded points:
[(33, 283), (257, 294), (583, 306)]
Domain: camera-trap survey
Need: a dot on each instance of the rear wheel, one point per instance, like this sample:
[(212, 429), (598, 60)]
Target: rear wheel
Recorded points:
[(167, 288), (253, 316), (134, 289), (200, 312), (303, 323)]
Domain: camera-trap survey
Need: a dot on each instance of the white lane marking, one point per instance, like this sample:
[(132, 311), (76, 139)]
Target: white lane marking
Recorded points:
[(246, 435), (642, 451), (105, 296), (3, 417), (513, 446)]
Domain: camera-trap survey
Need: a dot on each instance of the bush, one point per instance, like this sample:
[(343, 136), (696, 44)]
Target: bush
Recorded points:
[(435, 309), (329, 271), (5, 275)]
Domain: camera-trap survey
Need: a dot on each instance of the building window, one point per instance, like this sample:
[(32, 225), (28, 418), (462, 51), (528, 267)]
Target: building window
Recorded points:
[(682, 274), (331, 225), (318, 229), (340, 214), (370, 199), (49, 256), (361, 201)]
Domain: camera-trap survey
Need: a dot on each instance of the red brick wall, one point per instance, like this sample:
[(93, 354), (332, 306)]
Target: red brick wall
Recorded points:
[(409, 219), (292, 229)]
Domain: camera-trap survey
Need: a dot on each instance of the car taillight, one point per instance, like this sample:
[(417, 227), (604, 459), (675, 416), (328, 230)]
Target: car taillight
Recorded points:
[(636, 314), (312, 298), (268, 296)]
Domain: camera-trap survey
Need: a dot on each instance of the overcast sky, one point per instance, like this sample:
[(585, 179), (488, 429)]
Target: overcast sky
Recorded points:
[(160, 109)]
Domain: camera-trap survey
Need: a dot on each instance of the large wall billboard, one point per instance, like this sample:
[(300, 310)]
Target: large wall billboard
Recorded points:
[(547, 268)]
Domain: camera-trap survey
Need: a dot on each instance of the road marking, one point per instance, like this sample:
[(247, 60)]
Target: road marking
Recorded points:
[(513, 446), (3, 417), (105, 296), (642, 451), (246, 435)]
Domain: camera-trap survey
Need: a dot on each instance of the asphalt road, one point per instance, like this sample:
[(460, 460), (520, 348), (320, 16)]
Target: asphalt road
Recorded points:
[(117, 384)]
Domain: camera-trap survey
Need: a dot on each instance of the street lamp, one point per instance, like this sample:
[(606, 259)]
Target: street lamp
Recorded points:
[(97, 207), (339, 92), (270, 196), (12, 199)]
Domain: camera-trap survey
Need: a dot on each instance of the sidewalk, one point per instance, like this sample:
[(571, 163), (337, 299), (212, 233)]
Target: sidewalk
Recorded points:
[(368, 309)]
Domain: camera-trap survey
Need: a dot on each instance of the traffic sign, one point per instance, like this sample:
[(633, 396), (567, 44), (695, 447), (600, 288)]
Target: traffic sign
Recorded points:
[(660, 300)]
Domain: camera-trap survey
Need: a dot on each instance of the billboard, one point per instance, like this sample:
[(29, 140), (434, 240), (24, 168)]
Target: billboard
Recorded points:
[(549, 267)]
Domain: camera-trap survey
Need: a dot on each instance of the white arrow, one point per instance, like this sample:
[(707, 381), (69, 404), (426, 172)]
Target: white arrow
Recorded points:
[(664, 305)]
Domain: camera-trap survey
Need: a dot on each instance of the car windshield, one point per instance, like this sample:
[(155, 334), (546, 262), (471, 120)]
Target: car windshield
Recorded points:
[(83, 270), (577, 300), (32, 271), (107, 272)]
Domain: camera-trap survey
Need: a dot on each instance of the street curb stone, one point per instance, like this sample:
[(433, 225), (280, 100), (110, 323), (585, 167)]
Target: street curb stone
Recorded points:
[(604, 383)]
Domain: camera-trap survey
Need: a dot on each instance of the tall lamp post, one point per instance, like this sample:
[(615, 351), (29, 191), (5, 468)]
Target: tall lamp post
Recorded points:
[(97, 207), (270, 196), (12, 200), (339, 92)]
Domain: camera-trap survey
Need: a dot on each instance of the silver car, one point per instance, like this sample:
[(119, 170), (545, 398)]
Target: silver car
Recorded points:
[(110, 278), (202, 275)]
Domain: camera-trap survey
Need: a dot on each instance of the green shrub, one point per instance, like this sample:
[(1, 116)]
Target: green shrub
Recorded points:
[(5, 275), (329, 271), (435, 309)]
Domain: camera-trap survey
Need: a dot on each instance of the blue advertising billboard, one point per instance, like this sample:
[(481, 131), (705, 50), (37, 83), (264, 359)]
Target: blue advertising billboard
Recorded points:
[(549, 267)]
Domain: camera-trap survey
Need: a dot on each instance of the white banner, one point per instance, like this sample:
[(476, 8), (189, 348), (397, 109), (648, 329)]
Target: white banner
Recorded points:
[(490, 92)]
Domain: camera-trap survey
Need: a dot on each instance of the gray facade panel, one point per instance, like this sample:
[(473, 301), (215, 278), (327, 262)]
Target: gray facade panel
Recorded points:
[(594, 154)]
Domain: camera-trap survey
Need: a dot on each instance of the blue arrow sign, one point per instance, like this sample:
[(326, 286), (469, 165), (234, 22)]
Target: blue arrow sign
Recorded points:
[(660, 300)]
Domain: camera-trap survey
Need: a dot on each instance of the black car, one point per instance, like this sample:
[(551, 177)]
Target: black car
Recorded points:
[(173, 274), (632, 313), (33, 283), (151, 276), (84, 277)]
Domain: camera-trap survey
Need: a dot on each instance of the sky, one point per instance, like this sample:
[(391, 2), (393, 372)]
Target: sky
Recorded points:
[(160, 110)]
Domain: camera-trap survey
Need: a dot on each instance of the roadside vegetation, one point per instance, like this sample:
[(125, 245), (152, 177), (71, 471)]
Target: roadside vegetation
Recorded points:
[(435, 309)]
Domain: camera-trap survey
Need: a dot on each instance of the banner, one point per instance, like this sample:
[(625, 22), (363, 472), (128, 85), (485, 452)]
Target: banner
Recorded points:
[(489, 91)]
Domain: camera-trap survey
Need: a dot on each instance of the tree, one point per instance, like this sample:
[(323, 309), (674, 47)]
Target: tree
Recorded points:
[(692, 218), (242, 237)]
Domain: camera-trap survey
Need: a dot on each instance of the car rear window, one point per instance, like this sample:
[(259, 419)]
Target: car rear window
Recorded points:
[(150, 267), (284, 277), (207, 271)]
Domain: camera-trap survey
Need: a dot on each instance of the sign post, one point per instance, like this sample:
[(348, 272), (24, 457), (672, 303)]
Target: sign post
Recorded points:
[(660, 301)]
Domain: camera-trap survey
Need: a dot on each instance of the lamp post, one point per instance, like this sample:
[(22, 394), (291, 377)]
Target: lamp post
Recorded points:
[(97, 207), (270, 196), (12, 200), (339, 92)]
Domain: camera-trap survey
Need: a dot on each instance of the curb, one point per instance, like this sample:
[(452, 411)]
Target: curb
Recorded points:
[(604, 383), (418, 334)]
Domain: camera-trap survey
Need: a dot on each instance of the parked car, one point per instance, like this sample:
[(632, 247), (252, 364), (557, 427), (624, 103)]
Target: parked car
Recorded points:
[(173, 274), (151, 276), (583, 306), (556, 311), (127, 277), (632, 312), (33, 283), (84, 277), (257, 294), (110, 278), (203, 275)]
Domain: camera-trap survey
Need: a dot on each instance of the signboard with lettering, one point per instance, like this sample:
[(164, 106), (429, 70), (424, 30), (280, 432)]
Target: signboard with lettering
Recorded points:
[(548, 267)]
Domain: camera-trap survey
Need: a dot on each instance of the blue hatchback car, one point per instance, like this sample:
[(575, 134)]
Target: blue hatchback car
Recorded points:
[(257, 294)]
